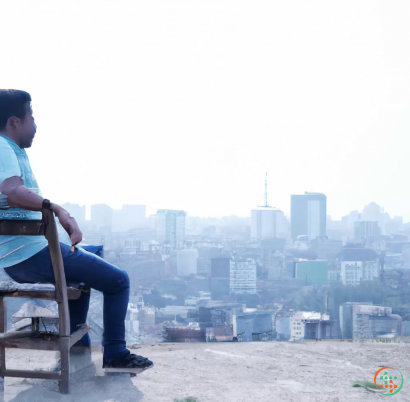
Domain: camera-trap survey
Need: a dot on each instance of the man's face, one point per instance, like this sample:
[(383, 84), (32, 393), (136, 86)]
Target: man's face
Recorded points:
[(26, 129)]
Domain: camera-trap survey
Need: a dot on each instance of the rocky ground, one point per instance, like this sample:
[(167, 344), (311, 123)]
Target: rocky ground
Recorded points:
[(228, 372)]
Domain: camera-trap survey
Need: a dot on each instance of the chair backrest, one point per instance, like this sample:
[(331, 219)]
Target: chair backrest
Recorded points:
[(46, 227)]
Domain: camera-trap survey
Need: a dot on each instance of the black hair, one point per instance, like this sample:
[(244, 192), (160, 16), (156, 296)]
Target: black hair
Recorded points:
[(13, 103)]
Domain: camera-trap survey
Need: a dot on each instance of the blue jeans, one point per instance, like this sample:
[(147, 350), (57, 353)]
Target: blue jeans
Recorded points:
[(93, 271)]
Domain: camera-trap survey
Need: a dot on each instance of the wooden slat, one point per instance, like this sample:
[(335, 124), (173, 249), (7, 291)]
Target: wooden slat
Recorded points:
[(46, 375), (21, 228), (42, 342), (11, 335), (73, 294)]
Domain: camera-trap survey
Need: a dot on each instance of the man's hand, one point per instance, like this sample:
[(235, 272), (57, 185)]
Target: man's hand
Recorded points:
[(68, 223)]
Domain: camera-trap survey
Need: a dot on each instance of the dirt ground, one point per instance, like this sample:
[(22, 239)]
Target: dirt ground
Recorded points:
[(231, 372)]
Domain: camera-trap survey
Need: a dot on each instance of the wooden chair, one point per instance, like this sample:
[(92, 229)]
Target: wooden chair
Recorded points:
[(35, 339)]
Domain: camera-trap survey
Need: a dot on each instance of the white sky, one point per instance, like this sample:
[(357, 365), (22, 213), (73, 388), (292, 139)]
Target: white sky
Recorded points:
[(185, 104)]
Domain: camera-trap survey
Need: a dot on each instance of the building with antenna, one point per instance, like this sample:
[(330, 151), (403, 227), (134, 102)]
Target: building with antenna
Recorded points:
[(268, 222)]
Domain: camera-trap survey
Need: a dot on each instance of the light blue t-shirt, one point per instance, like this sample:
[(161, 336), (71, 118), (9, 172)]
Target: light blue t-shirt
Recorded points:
[(15, 249)]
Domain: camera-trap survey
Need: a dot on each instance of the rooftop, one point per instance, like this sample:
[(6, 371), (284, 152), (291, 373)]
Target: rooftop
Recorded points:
[(358, 254), (171, 211)]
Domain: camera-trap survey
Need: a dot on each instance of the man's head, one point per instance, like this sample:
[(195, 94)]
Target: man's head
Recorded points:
[(16, 117)]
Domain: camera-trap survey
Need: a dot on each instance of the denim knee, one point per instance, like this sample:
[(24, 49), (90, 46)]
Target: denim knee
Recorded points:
[(126, 278), (122, 280)]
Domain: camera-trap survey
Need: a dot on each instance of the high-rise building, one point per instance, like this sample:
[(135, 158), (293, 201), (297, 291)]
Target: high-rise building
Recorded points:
[(219, 279), (365, 321), (101, 216), (170, 227), (308, 215), (364, 230), (242, 276), (268, 223)]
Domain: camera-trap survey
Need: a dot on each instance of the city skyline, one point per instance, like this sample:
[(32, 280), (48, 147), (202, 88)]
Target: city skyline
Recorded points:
[(187, 109), (287, 214)]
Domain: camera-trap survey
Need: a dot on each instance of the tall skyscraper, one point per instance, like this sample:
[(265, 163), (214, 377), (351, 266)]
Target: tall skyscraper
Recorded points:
[(268, 222), (170, 227), (308, 215)]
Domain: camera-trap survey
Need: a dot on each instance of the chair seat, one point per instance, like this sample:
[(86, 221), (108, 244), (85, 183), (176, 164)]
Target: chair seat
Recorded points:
[(11, 286), (37, 290)]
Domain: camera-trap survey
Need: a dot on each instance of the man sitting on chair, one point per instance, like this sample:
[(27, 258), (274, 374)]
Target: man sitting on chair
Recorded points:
[(26, 259)]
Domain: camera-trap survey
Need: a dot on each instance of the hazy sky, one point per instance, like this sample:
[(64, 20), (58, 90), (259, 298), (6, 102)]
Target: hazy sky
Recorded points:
[(185, 104)]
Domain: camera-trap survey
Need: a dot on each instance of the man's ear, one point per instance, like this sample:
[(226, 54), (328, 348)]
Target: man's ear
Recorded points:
[(13, 122)]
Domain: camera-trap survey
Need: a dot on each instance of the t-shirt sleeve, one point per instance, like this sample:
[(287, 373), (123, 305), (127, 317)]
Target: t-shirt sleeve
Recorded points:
[(9, 165)]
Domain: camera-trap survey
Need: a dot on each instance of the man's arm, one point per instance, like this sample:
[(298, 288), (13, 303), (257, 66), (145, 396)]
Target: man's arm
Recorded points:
[(19, 196)]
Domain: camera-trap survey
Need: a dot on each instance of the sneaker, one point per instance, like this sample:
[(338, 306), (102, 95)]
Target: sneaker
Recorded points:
[(129, 363)]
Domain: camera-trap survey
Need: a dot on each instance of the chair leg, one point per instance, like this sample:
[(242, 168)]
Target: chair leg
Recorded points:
[(65, 364), (3, 329), (2, 389)]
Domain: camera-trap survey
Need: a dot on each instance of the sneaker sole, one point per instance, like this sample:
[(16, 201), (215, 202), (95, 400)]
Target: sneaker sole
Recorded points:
[(126, 370)]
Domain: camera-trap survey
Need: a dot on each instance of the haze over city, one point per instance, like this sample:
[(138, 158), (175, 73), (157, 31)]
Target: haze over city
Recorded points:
[(229, 184), (186, 105)]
